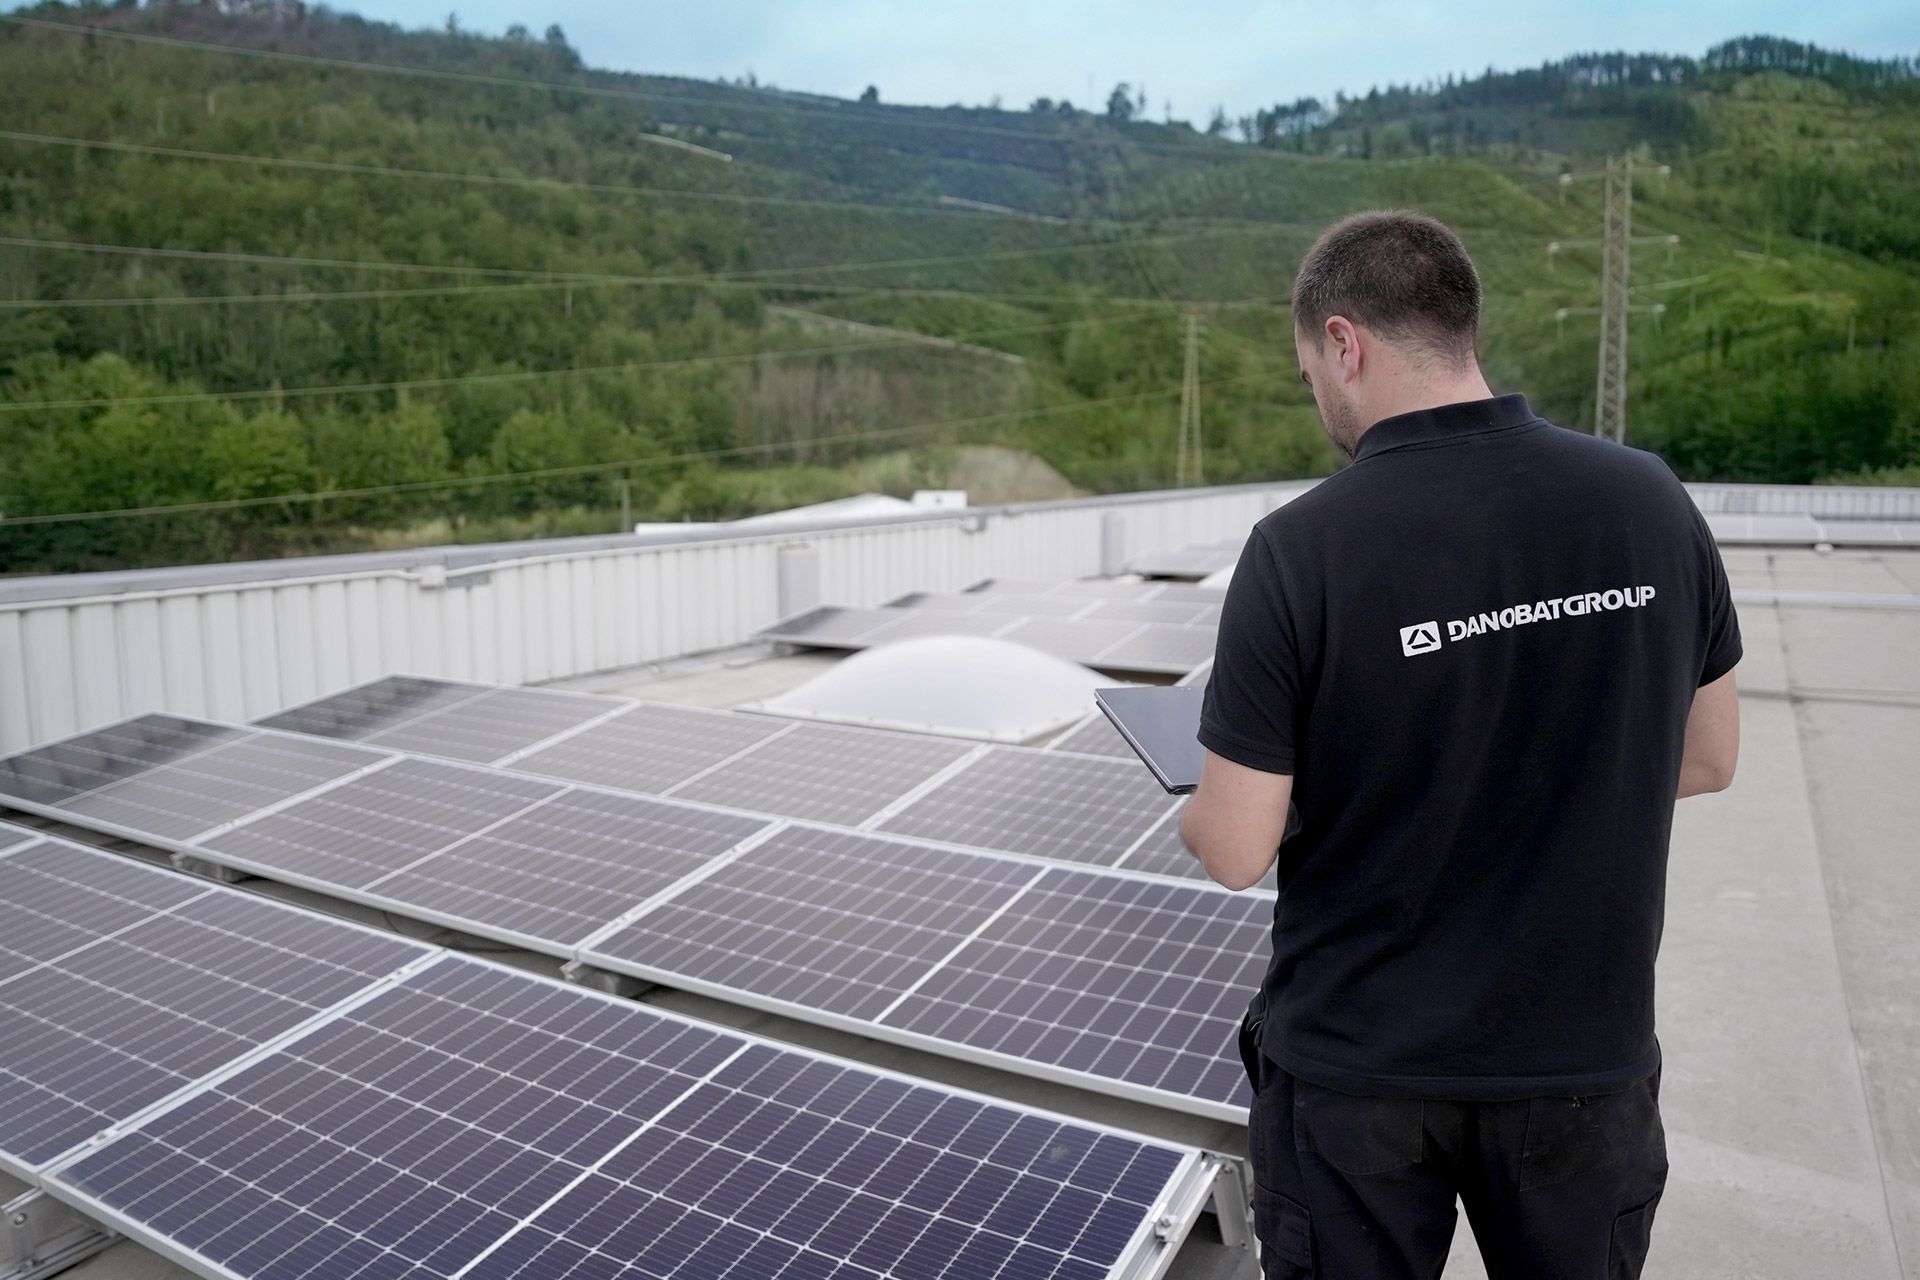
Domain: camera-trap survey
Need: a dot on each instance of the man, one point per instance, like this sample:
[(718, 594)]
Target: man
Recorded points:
[(1484, 661)]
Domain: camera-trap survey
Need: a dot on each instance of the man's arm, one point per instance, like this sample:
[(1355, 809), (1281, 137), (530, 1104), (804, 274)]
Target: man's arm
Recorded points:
[(1235, 820), (1713, 739)]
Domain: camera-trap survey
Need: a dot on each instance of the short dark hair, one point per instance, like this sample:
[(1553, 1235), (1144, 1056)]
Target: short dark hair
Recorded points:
[(1402, 274)]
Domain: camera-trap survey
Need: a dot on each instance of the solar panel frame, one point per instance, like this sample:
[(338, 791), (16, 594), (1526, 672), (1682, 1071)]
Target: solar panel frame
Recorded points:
[(1160, 1185)]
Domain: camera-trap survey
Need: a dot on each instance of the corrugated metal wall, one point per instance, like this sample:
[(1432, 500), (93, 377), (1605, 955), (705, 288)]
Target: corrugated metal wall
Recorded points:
[(238, 649)]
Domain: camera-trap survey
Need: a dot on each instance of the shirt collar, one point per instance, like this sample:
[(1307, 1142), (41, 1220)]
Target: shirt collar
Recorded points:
[(1442, 422)]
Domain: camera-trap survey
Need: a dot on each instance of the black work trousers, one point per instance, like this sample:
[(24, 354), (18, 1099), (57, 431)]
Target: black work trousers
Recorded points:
[(1351, 1188)]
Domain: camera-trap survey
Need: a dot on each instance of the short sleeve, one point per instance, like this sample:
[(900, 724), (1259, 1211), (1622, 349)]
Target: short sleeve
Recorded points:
[(1250, 711), (1723, 624)]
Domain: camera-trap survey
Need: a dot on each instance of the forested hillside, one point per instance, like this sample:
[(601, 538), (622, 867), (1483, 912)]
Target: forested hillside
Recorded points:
[(468, 287)]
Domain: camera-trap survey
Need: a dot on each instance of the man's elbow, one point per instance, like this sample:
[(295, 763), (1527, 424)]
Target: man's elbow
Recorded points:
[(1223, 866)]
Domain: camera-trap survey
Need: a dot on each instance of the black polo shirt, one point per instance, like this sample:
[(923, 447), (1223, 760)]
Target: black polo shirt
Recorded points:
[(1475, 650)]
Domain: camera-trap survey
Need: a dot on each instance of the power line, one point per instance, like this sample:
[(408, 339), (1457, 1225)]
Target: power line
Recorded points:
[(516, 375), (696, 278), (229, 504), (488, 179)]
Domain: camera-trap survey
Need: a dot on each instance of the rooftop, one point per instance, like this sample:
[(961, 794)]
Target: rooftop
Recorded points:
[(1789, 1011)]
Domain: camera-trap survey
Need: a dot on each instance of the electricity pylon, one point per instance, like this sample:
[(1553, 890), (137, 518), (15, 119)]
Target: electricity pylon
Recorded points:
[(1616, 273), (1187, 469)]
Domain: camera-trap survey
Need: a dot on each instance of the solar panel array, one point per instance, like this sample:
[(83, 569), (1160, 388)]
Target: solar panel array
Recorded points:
[(568, 870), (333, 1101), (1048, 970), (849, 776)]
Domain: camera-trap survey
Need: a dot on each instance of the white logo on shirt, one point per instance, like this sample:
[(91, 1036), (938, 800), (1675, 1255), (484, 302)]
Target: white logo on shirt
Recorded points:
[(1421, 637), (1424, 637)]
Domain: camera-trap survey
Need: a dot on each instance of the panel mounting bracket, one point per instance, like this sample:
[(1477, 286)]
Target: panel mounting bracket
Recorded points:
[(605, 981), (44, 1236)]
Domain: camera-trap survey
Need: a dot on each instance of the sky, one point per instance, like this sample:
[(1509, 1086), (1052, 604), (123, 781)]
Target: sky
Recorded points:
[(1196, 54)]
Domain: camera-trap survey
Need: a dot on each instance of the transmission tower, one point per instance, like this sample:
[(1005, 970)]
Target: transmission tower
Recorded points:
[(1610, 385), (1187, 469), (1616, 276)]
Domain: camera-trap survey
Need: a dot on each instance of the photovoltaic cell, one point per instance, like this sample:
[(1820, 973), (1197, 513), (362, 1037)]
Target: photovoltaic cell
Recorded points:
[(361, 830), (366, 710), (1059, 806), (822, 919), (74, 766), (496, 724), (650, 747), (1028, 605), (825, 773), (11, 835), (482, 1121), (99, 1033), (177, 801), (565, 868), (1134, 980)]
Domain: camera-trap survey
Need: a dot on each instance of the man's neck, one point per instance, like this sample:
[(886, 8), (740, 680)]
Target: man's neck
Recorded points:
[(1429, 395)]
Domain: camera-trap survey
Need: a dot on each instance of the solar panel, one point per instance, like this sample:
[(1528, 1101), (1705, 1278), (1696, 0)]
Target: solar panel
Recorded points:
[(828, 626), (177, 801), (496, 724), (823, 919), (62, 770), (478, 1122), (1094, 736), (1058, 806), (1077, 639), (907, 624), (11, 835), (175, 981), (355, 833), (826, 773), (1190, 593), (366, 710), (649, 747), (1131, 980), (565, 868), (1024, 604), (1173, 612), (1160, 648)]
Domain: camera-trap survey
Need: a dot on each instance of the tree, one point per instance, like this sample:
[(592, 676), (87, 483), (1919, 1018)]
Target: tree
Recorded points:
[(870, 97), (1120, 103), (1217, 123)]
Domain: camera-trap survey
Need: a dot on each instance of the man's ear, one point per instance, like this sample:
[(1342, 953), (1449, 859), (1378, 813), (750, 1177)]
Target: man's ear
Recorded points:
[(1347, 352)]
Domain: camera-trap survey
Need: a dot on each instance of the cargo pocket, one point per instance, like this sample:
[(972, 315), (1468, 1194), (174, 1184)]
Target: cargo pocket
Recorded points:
[(1358, 1135), (1285, 1231), (1632, 1232), (1574, 1137)]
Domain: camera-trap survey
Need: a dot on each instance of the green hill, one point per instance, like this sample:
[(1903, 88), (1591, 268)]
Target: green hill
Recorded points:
[(438, 260)]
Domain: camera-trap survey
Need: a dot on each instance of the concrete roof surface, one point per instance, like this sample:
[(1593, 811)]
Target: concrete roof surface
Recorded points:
[(1789, 998)]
